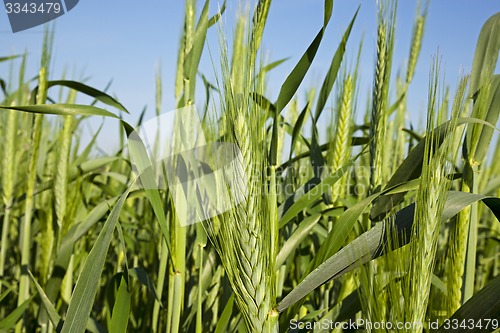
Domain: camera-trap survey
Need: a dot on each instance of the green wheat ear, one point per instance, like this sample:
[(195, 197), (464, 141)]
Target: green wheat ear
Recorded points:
[(430, 201), (416, 45), (243, 236), (379, 111), (339, 152)]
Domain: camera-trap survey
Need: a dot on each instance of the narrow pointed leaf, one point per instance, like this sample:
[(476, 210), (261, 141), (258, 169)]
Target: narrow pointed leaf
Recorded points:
[(85, 290), (297, 129), (311, 196), (193, 57), (271, 66), (63, 109), (91, 326), (121, 309), (482, 309), (296, 238), (486, 54), (331, 76), (47, 304), (224, 319), (492, 114), (12, 318), (87, 90), (214, 19)]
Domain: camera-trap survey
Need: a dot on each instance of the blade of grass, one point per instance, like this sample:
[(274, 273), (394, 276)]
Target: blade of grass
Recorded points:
[(486, 54), (88, 280), (481, 310), (121, 309), (13, 317), (87, 90), (331, 76)]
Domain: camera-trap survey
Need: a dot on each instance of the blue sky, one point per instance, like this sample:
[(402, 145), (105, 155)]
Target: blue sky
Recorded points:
[(125, 41)]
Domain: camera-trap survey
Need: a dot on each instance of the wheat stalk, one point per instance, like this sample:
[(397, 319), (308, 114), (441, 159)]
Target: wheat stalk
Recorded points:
[(458, 238)]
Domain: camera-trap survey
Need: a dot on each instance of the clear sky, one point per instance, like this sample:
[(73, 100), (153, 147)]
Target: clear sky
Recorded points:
[(124, 41)]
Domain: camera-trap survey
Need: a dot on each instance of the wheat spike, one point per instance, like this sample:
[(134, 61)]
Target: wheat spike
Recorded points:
[(416, 44), (340, 149), (378, 115)]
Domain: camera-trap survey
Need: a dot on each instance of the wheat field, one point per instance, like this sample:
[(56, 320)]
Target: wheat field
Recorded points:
[(371, 225)]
